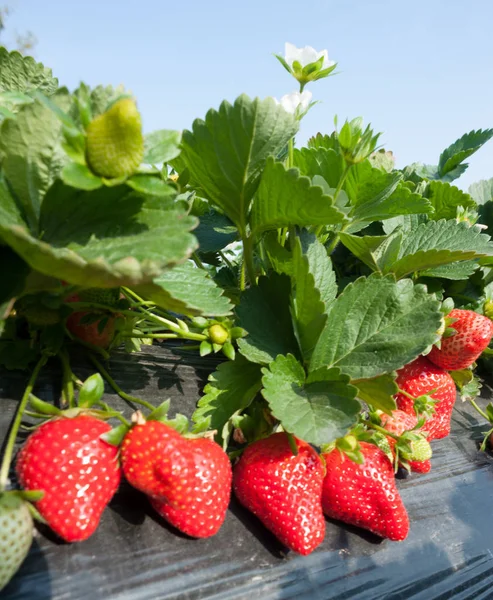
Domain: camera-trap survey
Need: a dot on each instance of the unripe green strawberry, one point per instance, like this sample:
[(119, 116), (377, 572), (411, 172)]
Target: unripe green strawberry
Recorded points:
[(421, 450), (115, 144), (37, 314), (16, 534), (109, 297), (217, 334), (488, 309)]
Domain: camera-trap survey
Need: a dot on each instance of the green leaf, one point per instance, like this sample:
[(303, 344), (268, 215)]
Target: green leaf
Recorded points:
[(469, 385), (20, 73), (377, 325), (33, 156), (215, 232), (314, 290), (461, 149), (161, 146), (80, 177), (317, 409), (456, 271), (104, 238), (14, 272), (188, 290), (377, 195), (152, 185), (231, 388), (369, 249), (379, 392), (280, 258), (264, 313), (405, 222), (438, 243), (226, 153), (324, 162), (482, 191), (92, 391), (284, 198), (445, 199), (329, 142)]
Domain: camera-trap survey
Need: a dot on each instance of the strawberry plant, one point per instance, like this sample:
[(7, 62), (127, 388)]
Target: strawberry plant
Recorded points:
[(345, 298)]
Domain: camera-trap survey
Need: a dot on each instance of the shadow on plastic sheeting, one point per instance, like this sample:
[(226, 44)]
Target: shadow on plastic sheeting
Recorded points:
[(32, 581)]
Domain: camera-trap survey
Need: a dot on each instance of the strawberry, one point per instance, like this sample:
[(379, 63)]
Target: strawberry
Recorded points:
[(188, 480), (283, 490), (115, 144), (89, 332), (144, 445), (459, 351), (422, 377), (400, 422), (16, 534), (199, 472), (365, 494), (77, 470)]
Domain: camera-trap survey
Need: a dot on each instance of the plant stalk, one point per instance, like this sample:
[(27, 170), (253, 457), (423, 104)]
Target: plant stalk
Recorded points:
[(9, 449), (116, 387)]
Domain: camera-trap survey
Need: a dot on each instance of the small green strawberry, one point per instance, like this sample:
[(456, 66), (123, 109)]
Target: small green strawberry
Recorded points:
[(115, 144), (218, 334), (16, 534), (420, 450), (40, 315)]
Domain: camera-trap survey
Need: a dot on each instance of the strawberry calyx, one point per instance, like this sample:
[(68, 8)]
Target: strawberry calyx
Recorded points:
[(424, 405), (27, 497), (179, 423), (349, 444)]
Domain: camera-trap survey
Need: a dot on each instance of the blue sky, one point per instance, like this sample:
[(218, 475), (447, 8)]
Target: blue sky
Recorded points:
[(420, 71)]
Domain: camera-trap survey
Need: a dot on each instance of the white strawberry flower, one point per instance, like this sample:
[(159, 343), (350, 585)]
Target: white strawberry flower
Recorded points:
[(306, 56), (306, 64), (296, 103)]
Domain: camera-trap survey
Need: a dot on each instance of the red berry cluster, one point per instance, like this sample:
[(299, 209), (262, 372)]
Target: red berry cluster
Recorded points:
[(280, 479)]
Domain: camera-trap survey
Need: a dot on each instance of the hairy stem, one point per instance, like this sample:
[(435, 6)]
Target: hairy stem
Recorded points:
[(116, 387)]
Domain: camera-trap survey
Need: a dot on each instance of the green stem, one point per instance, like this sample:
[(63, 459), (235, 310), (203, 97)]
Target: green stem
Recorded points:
[(243, 275), (284, 233), (197, 261), (67, 382), (480, 411), (9, 449), (116, 387), (87, 345), (248, 258), (156, 336), (380, 429), (290, 153)]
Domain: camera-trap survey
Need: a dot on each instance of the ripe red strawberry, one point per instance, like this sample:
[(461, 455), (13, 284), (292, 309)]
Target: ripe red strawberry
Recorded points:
[(283, 490), (422, 377), (187, 480), (398, 423), (474, 333), (143, 446), (78, 472), (364, 495), (89, 332), (199, 473)]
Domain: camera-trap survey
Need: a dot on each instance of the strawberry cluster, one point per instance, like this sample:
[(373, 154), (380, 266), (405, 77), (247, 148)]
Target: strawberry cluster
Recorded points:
[(282, 480)]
